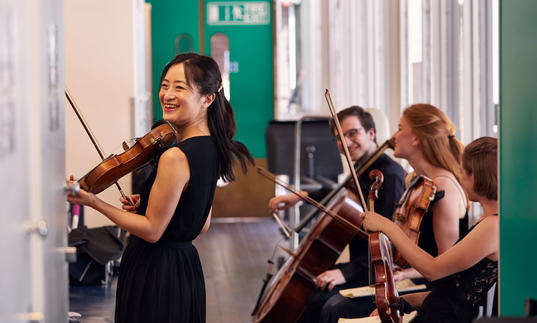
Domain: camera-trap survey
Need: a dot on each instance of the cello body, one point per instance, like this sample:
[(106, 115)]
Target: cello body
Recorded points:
[(286, 294)]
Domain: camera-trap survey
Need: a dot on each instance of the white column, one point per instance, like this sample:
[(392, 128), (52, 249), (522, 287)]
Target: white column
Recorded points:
[(312, 58), (33, 274), (478, 104)]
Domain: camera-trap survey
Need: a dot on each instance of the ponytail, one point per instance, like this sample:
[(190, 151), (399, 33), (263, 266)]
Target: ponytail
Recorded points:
[(222, 126)]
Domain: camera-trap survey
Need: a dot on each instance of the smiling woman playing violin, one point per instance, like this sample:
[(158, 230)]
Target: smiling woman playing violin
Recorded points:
[(466, 271), (161, 279)]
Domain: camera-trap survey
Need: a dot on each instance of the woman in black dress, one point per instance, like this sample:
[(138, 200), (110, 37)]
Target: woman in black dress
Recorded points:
[(161, 279), (465, 272)]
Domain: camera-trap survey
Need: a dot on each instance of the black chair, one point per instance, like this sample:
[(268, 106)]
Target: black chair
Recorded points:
[(320, 161)]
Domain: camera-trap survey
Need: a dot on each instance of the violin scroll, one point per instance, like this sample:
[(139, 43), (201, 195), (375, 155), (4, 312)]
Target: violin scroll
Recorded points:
[(378, 178)]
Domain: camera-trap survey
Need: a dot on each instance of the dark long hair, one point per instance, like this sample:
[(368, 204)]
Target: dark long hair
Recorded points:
[(202, 73)]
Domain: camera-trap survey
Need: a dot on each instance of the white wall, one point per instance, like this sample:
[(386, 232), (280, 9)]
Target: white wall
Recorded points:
[(105, 72)]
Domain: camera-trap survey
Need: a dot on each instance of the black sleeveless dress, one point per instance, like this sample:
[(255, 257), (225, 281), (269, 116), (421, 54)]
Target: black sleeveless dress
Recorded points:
[(427, 240), (456, 298), (163, 281)]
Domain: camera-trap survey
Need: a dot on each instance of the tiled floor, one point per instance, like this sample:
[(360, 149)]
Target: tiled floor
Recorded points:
[(234, 258)]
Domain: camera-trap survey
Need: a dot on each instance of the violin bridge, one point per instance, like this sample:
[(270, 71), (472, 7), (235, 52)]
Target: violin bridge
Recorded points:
[(398, 216), (388, 308)]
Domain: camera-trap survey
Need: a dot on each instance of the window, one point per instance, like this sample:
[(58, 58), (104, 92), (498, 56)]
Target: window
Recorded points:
[(183, 44), (220, 53)]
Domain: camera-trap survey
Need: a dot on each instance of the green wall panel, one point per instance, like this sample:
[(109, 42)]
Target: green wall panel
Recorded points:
[(169, 19), (518, 154), (252, 86)]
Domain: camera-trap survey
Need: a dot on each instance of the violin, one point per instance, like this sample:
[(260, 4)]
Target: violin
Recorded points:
[(411, 208), (380, 250), (116, 166), (386, 295)]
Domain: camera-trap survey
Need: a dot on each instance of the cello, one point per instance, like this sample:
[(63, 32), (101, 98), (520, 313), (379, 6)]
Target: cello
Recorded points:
[(283, 298), (285, 295)]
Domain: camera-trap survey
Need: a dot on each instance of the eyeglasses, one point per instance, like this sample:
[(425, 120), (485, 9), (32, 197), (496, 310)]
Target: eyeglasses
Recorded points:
[(351, 134)]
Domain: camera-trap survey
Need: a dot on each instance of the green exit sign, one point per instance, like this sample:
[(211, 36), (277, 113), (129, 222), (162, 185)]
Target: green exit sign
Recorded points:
[(238, 13)]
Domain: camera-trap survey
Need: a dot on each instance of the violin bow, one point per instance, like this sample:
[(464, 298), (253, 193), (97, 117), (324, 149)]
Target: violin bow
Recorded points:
[(309, 200), (92, 137), (345, 148)]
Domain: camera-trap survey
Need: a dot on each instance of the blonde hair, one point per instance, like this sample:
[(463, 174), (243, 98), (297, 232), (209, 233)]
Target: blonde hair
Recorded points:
[(436, 134)]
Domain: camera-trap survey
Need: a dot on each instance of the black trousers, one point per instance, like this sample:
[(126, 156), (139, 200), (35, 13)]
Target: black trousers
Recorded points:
[(321, 298), (339, 306)]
